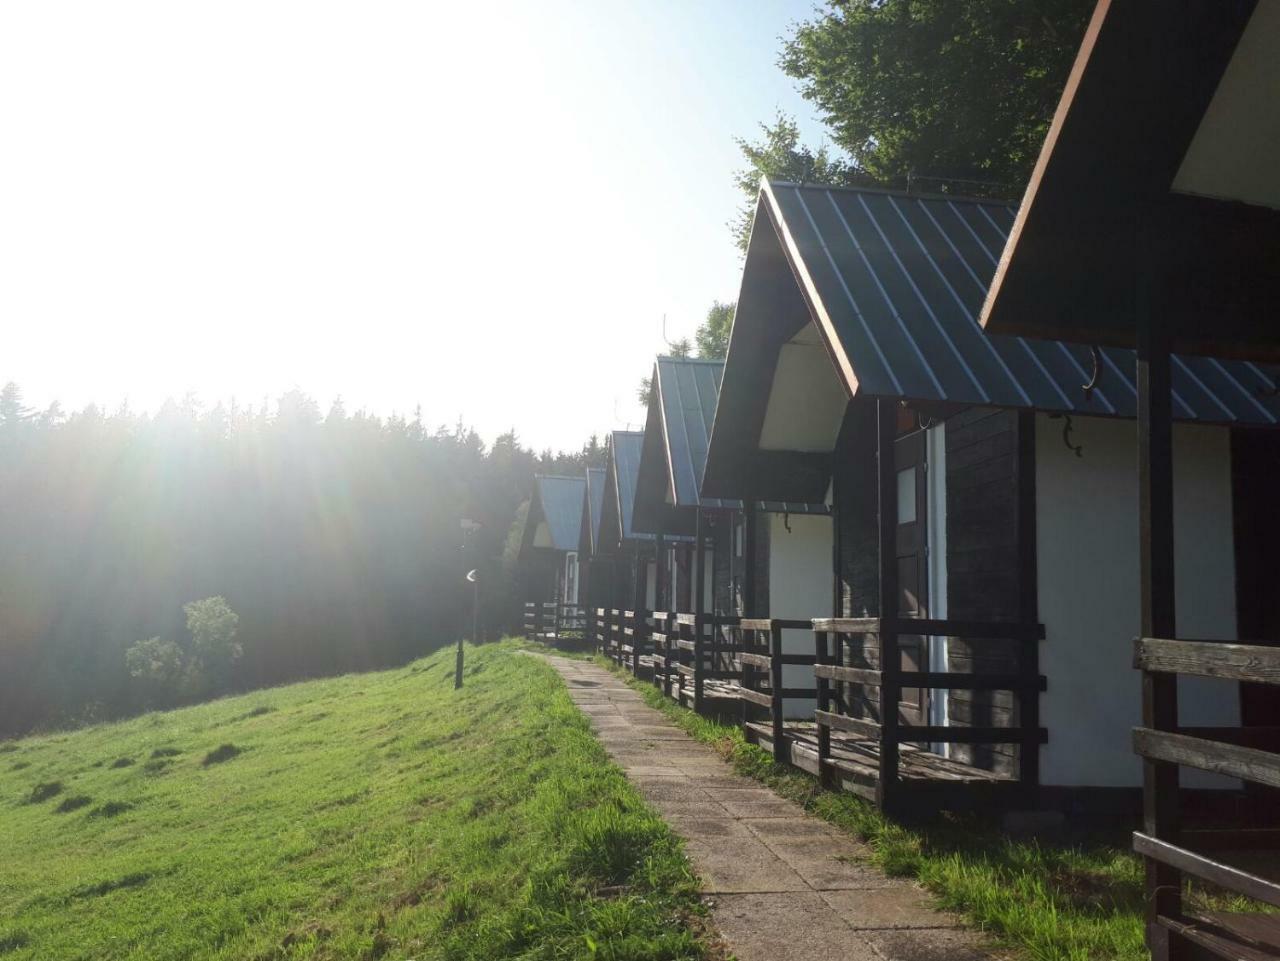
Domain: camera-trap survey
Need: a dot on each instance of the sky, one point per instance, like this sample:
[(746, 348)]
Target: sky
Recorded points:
[(482, 210)]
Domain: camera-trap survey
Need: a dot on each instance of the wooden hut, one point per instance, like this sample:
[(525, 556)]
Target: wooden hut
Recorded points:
[(985, 522), (549, 558), (595, 567), (631, 554), (739, 555), (1152, 222)]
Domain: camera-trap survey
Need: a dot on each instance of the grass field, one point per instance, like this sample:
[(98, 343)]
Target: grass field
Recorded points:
[(1070, 899), (370, 816)]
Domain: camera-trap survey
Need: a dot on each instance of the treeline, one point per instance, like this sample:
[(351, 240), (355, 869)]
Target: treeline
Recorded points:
[(335, 537)]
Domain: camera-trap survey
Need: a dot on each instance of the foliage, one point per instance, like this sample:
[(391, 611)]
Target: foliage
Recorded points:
[(713, 333), (372, 815), (214, 648), (336, 538), (779, 155), (157, 666), (938, 89)]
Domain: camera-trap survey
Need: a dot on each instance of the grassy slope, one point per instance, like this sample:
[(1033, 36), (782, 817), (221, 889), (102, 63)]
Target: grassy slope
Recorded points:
[(1069, 900), (377, 815)]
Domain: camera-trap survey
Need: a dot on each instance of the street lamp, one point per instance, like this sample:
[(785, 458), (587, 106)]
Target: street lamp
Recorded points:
[(469, 529)]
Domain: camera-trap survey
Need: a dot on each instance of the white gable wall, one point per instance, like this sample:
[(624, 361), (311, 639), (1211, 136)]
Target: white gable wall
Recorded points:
[(801, 586), (1087, 558)]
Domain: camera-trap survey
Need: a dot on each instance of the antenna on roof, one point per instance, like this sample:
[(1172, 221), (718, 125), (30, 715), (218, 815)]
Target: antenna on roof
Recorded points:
[(664, 331)]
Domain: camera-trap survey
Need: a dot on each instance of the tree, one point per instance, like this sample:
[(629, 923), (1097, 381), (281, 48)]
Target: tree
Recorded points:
[(214, 648), (957, 92), (12, 411), (157, 668), (712, 336), (780, 155)]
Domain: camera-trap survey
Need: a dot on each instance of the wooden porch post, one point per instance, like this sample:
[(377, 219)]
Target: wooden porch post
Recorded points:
[(699, 607), (1028, 613), (890, 656), (1156, 571), (660, 576), (749, 534)]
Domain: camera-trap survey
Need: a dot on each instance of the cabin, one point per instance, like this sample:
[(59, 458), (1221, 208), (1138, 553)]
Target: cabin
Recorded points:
[(985, 517), (630, 555), (1152, 225), (743, 555), (594, 568), (548, 559)]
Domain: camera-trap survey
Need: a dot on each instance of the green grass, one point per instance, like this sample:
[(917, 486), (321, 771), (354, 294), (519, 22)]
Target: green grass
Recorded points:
[(1074, 899), (369, 816)]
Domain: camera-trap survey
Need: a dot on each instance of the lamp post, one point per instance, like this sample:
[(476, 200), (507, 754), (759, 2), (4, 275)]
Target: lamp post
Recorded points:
[(469, 529)]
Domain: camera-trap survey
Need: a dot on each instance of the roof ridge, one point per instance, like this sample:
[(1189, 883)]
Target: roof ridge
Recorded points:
[(897, 192)]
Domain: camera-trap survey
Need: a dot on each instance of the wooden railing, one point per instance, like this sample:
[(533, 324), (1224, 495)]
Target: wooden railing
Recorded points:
[(539, 619), (833, 635), (697, 651), (1251, 754), (761, 684)]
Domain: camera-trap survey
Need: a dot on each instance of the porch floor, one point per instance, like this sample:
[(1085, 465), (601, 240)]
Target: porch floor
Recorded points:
[(857, 760)]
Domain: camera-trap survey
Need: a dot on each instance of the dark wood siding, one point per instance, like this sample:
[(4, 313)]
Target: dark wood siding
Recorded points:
[(858, 545), (983, 566)]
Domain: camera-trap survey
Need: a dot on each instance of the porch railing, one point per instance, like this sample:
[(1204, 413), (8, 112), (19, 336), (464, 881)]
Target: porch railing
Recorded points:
[(700, 648), (1251, 754), (762, 662), (834, 635), (539, 619)]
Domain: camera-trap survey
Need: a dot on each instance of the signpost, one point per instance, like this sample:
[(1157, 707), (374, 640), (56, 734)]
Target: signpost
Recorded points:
[(469, 528)]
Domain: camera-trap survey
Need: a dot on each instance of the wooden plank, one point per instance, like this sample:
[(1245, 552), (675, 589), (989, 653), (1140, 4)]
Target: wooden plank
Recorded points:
[(969, 630), (1239, 937), (1248, 764), (850, 675), (685, 645), (970, 735), (1215, 872), (1235, 662), (847, 625), (755, 697), (854, 725), (755, 660), (957, 681)]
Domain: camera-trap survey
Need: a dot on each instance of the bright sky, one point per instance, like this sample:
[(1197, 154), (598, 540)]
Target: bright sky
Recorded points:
[(482, 209)]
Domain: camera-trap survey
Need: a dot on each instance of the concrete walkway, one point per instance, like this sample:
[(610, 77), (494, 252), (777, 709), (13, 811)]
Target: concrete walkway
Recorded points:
[(782, 885)]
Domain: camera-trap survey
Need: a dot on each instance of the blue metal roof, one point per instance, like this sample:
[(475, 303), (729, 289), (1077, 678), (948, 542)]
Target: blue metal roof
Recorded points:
[(897, 281), (625, 461), (559, 501), (595, 504)]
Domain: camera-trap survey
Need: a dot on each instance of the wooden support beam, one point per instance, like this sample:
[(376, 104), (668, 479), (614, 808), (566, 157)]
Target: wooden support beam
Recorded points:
[(890, 606), (1160, 807)]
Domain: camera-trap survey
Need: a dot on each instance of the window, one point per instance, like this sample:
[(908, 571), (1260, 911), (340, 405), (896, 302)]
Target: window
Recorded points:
[(571, 578)]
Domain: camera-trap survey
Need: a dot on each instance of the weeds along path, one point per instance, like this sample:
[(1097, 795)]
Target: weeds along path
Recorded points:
[(781, 885), (382, 815)]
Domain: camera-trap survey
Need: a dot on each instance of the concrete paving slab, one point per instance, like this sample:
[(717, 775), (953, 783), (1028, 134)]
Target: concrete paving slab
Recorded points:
[(741, 865), (888, 908), (928, 945), (786, 927), (782, 885)]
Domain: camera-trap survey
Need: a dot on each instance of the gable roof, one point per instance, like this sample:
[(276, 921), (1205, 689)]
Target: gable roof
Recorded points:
[(897, 282), (557, 502), (1167, 125), (682, 408), (620, 491), (894, 283), (593, 505)]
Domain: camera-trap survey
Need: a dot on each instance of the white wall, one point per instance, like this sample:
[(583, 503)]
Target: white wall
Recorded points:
[(801, 586), (1087, 552)]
